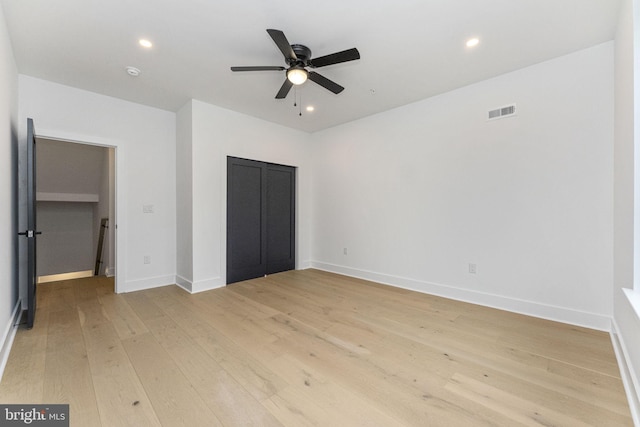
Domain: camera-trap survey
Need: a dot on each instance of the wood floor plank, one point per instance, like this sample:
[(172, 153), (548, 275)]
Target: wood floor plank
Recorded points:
[(284, 302), (174, 399), (23, 378), (241, 326), (463, 349), (489, 341), (67, 376), (403, 400), (219, 390), (337, 405), (59, 295), (584, 411), (241, 365), (288, 413), (519, 410), (582, 353), (125, 321), (121, 399), (306, 348), (85, 290), (143, 306), (236, 303)]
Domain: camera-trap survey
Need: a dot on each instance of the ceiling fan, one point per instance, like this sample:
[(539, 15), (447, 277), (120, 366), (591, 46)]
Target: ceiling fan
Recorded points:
[(298, 58)]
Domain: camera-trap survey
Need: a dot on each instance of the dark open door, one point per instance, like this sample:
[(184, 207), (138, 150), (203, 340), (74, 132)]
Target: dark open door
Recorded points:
[(260, 219), (30, 233)]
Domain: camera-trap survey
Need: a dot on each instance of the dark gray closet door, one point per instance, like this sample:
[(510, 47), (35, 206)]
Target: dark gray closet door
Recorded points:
[(260, 219), (246, 227), (281, 181)]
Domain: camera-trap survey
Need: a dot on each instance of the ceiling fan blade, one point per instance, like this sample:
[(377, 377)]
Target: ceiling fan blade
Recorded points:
[(336, 58), (258, 68), (284, 90), (325, 82), (283, 44)]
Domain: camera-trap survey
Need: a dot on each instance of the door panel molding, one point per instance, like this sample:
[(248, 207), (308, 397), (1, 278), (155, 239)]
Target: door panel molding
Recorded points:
[(260, 218)]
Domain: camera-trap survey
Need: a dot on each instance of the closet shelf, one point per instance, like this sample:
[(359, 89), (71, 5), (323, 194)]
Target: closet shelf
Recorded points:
[(66, 197)]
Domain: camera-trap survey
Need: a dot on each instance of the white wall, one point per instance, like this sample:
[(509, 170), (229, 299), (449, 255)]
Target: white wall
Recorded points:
[(627, 139), (215, 134), (417, 193), (144, 138), (8, 188), (184, 196), (66, 243)]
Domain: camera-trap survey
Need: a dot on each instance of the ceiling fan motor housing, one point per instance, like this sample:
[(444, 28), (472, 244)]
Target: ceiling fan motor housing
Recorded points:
[(303, 54)]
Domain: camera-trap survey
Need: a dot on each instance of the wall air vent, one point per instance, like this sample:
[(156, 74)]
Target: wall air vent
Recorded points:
[(499, 113)]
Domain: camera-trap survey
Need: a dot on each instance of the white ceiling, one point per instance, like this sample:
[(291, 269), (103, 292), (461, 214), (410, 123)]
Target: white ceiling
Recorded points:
[(410, 49)]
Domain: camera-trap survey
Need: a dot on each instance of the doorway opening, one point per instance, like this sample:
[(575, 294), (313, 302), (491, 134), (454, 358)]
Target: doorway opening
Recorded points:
[(75, 204)]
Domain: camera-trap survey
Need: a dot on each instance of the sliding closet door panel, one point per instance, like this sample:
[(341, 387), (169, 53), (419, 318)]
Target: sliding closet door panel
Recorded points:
[(246, 225), (260, 219), (280, 218)]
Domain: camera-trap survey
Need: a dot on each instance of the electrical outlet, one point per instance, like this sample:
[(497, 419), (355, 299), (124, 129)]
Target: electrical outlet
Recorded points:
[(344, 251), (473, 269), (147, 259)]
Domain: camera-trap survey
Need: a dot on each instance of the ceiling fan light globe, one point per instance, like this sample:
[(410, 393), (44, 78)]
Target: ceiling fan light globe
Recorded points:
[(297, 76)]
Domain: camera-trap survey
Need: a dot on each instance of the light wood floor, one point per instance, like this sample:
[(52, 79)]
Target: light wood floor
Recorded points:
[(306, 348)]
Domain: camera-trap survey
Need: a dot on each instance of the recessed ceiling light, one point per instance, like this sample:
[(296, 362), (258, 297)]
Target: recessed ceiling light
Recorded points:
[(310, 108), (133, 71), (473, 42), (145, 43)]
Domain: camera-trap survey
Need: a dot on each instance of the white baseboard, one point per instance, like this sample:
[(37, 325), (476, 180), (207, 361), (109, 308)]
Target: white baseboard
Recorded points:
[(109, 271), (201, 285), (629, 376), (8, 336), (152, 282), (303, 265), (529, 308), (184, 283)]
